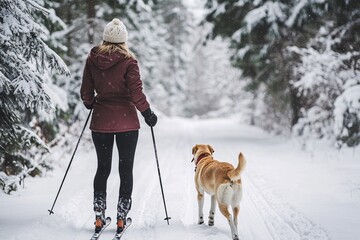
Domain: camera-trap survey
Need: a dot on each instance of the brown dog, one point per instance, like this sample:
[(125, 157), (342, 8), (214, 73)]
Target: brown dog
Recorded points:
[(222, 181)]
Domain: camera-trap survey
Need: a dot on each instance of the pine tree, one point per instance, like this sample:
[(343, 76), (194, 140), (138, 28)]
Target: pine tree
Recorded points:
[(177, 37), (327, 77), (27, 95), (82, 31), (278, 44)]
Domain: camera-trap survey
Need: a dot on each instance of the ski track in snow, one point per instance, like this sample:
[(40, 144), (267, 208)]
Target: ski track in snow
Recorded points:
[(263, 215), (283, 221)]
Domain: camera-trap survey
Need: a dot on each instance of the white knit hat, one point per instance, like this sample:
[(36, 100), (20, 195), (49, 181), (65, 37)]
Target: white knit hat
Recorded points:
[(115, 32)]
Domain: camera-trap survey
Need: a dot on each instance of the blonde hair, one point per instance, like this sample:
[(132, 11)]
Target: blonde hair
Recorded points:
[(108, 47)]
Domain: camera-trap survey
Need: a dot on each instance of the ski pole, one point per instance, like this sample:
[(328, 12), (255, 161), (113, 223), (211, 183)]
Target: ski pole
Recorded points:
[(72, 157), (158, 167)]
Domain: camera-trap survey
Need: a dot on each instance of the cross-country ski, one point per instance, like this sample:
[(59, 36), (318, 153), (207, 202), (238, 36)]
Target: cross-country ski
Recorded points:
[(120, 234), (96, 235)]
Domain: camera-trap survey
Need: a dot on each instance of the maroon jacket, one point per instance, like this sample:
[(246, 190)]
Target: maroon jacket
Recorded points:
[(118, 87)]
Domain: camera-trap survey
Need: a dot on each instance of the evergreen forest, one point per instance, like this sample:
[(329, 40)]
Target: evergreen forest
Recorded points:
[(288, 66)]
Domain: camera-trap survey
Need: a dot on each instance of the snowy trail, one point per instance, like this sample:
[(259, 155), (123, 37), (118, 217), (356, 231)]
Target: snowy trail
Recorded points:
[(264, 214)]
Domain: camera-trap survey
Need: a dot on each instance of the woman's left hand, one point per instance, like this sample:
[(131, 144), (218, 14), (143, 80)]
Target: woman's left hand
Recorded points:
[(150, 117)]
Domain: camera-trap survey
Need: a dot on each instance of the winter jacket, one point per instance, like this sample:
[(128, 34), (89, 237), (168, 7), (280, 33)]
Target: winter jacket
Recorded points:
[(112, 84)]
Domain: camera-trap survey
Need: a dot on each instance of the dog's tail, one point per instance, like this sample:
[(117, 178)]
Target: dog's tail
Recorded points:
[(235, 174)]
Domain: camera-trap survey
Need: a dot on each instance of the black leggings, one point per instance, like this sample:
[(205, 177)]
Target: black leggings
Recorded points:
[(126, 145)]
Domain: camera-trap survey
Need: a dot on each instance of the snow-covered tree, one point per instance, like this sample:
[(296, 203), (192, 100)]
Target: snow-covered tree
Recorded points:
[(260, 31), (327, 78), (29, 99), (82, 30), (177, 34), (276, 45), (323, 78), (213, 87)]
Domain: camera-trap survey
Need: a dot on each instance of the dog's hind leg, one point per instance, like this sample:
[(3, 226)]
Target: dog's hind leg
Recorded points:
[(200, 198), (224, 210), (236, 210), (235, 203), (212, 211)]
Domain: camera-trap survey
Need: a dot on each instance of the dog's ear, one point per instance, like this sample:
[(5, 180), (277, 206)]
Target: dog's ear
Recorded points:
[(194, 149), (211, 149)]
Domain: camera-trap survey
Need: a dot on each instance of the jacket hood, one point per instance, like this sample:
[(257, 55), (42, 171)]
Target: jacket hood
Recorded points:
[(104, 60)]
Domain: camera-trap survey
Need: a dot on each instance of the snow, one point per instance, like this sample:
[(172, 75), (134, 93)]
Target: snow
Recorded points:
[(289, 193), (336, 87), (271, 11), (300, 5), (58, 96), (349, 101)]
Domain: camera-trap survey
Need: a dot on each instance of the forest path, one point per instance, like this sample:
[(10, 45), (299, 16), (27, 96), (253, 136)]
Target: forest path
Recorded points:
[(263, 215)]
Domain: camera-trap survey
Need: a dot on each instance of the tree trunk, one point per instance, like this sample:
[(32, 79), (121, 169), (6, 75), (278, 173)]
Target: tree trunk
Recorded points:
[(295, 106), (90, 19)]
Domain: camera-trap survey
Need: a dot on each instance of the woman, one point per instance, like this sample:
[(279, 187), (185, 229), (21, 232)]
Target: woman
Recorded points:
[(112, 86)]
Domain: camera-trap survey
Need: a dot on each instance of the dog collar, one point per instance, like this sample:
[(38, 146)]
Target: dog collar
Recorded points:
[(201, 157)]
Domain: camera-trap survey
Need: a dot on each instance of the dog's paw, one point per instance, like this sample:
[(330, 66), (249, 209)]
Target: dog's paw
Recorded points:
[(211, 221), (211, 218), (201, 220), (236, 237)]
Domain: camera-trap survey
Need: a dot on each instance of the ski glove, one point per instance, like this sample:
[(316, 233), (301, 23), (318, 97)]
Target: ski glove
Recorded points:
[(91, 105), (150, 117)]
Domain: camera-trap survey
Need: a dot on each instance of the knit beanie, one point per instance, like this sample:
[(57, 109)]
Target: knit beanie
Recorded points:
[(115, 32)]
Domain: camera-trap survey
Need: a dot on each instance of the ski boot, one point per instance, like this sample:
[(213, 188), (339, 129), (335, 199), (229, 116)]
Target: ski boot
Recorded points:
[(99, 209), (120, 225), (123, 208)]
